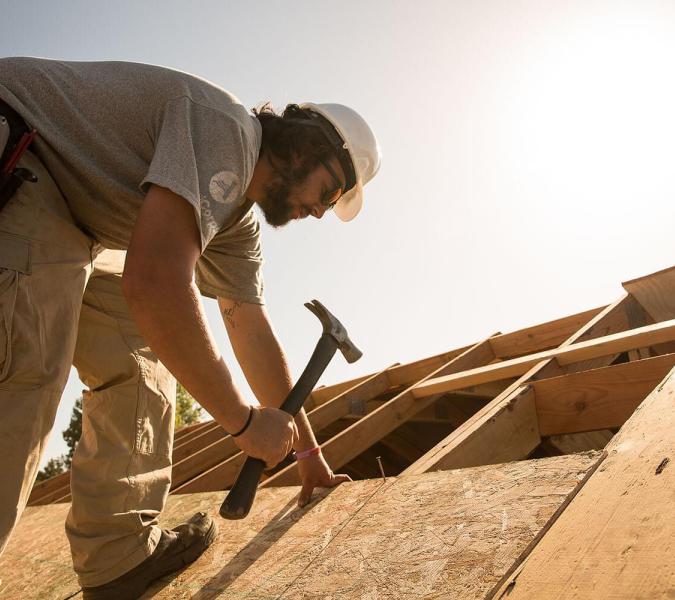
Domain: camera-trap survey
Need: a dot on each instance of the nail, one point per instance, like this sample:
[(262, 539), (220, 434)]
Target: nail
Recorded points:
[(379, 462)]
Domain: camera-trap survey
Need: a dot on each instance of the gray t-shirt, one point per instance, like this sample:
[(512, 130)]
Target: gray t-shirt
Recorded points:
[(108, 130)]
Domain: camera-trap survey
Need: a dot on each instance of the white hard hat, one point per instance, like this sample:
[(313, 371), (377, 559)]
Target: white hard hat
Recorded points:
[(361, 144)]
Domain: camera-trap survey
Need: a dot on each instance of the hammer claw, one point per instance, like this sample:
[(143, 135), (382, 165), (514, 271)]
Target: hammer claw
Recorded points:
[(333, 327)]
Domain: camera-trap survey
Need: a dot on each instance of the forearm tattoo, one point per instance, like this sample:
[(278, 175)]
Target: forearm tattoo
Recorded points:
[(228, 313)]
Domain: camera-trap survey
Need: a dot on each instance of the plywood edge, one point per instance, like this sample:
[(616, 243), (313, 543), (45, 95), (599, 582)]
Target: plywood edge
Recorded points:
[(615, 539), (509, 578)]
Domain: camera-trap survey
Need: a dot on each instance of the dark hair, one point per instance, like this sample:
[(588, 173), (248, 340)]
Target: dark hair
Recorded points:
[(294, 140)]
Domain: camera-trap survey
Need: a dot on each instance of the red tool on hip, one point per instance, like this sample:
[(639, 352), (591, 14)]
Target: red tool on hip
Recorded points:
[(15, 138)]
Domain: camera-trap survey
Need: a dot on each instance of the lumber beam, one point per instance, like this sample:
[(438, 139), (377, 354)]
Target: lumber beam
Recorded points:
[(623, 314), (218, 477), (540, 337), (615, 539), (656, 293), (398, 375), (203, 438), (357, 438), (189, 429), (202, 460), (201, 476), (55, 494), (639, 354), (574, 353), (222, 474), (597, 399), (504, 431), (505, 345), (46, 488), (610, 319), (346, 402), (450, 409)]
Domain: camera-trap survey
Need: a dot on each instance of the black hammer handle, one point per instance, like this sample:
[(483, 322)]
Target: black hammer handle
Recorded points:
[(240, 498)]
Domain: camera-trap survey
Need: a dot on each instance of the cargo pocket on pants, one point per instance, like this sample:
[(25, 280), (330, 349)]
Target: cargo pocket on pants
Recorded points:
[(155, 412), (14, 259)]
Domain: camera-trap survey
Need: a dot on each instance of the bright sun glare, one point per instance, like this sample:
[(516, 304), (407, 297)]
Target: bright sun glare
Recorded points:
[(596, 102)]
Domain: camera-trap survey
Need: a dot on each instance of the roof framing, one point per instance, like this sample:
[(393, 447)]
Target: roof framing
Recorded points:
[(500, 398)]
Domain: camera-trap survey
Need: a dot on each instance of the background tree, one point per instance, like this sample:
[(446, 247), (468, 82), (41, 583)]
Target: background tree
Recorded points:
[(73, 434), (54, 466), (187, 409)]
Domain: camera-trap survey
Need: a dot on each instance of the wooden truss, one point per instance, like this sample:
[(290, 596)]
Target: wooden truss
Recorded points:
[(555, 388)]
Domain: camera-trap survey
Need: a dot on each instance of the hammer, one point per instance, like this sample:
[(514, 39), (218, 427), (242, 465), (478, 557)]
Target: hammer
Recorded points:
[(239, 500)]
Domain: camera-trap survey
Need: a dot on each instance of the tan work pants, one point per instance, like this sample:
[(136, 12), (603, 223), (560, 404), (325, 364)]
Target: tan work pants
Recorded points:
[(61, 304)]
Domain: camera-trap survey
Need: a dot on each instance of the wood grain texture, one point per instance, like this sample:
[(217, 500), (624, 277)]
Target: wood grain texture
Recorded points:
[(202, 438), (202, 460), (44, 488), (516, 343), (364, 433), (329, 412), (397, 375), (597, 399), (36, 563), (203, 447), (617, 538), (540, 337), (451, 534), (218, 477), (222, 474), (656, 293), (580, 351), (502, 431), (609, 320), (190, 429)]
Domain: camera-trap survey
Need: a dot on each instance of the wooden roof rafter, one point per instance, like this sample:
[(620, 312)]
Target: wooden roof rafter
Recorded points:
[(515, 378)]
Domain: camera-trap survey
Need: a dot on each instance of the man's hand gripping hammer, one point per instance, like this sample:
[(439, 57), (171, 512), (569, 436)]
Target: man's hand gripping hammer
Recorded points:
[(239, 500)]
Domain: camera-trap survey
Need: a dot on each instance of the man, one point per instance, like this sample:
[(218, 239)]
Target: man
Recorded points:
[(166, 166)]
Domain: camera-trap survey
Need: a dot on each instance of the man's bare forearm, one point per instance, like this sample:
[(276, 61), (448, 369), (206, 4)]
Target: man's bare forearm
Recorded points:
[(171, 320), (262, 360)]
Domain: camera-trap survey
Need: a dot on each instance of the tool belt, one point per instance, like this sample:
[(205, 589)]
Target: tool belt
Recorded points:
[(15, 138)]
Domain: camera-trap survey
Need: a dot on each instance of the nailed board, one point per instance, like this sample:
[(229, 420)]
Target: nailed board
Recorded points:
[(656, 293), (597, 399), (449, 534), (617, 538)]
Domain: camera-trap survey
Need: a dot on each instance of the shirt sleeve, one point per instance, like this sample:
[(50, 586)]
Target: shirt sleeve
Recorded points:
[(199, 155), (231, 265)]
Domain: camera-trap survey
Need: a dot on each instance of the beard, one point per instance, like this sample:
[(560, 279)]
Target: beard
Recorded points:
[(276, 206)]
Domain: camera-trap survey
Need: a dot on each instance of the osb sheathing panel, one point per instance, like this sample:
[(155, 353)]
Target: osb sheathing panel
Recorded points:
[(616, 540), (447, 534)]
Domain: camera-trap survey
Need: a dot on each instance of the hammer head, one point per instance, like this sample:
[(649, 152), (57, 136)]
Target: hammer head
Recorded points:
[(334, 328)]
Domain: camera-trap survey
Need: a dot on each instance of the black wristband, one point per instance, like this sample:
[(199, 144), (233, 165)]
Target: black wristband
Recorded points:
[(248, 422)]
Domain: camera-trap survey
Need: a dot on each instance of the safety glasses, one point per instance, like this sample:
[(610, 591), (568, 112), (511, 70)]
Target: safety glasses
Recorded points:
[(328, 201)]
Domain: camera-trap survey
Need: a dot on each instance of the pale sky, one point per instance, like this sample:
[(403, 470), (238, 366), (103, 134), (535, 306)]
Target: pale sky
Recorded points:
[(528, 153)]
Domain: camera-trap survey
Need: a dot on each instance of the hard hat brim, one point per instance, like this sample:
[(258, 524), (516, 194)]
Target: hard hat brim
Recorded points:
[(350, 204)]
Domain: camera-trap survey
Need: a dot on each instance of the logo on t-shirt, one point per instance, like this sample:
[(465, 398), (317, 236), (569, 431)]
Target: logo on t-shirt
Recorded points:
[(224, 187)]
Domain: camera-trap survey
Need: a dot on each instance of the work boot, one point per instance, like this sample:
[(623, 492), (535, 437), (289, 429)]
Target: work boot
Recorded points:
[(176, 548)]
